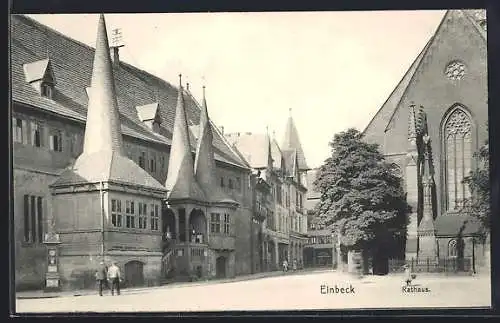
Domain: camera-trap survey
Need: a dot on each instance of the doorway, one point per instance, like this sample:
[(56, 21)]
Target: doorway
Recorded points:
[(220, 267), (134, 274)]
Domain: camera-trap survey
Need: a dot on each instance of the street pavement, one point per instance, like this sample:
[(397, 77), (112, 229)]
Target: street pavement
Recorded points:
[(286, 292)]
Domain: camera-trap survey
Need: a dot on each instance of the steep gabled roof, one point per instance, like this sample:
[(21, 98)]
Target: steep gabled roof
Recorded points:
[(181, 181), (291, 159), (103, 158), (254, 147), (277, 155), (204, 164), (383, 118), (39, 70), (71, 63), (453, 225), (111, 167), (291, 141), (148, 111)]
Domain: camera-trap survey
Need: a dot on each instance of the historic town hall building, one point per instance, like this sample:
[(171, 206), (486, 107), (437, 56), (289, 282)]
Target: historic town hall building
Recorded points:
[(430, 127), (112, 163)]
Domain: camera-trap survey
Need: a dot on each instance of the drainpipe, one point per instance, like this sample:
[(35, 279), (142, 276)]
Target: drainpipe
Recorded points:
[(102, 218)]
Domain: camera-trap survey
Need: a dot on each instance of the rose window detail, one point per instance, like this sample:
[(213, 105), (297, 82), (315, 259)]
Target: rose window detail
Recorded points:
[(455, 70)]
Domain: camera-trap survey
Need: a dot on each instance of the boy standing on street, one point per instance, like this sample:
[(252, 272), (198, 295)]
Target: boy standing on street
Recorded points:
[(114, 278)]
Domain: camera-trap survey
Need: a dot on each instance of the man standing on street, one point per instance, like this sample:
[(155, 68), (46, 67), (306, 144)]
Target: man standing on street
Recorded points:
[(114, 278), (100, 277)]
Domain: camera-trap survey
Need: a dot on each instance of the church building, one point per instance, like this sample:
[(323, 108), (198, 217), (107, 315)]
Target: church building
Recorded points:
[(429, 128)]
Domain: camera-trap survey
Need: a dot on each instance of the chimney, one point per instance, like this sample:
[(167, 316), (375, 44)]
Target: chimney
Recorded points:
[(116, 43)]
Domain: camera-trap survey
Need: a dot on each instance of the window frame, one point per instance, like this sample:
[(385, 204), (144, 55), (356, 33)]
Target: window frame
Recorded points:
[(116, 213), (215, 222), (33, 219), (448, 203)]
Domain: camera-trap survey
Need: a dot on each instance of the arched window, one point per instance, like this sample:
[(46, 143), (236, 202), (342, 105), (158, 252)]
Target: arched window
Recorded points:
[(458, 156), (452, 248)]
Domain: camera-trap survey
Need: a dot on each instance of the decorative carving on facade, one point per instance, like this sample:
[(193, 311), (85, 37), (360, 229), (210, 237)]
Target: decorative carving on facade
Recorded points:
[(458, 123), (458, 143), (455, 70)]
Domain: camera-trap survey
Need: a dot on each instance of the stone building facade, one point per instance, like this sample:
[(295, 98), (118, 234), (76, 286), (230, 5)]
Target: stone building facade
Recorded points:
[(281, 168), (96, 148), (429, 127)]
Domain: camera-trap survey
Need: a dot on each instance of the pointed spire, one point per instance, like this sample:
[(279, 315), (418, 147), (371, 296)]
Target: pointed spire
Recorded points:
[(180, 177), (204, 164), (103, 157), (102, 131), (291, 141)]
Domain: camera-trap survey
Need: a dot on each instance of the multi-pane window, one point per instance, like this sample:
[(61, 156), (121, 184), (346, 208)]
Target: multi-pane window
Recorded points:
[(129, 214), (143, 215), (36, 134), (215, 222), (238, 183), (18, 130), (142, 160), (452, 248), (33, 218), (46, 90), (155, 216), (227, 224), (116, 213), (75, 144), (55, 140), (270, 221), (458, 142), (152, 164), (230, 183), (162, 163)]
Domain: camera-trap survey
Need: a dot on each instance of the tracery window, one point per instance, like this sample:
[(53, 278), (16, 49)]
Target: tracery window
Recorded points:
[(452, 248), (458, 153)]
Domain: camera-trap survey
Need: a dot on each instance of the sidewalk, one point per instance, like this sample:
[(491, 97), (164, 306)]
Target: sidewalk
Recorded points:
[(42, 294)]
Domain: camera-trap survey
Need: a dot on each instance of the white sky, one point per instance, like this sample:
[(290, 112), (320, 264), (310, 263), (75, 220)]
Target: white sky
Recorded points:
[(333, 69)]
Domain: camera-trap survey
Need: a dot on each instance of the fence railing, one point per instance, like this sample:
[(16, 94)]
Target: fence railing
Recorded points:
[(432, 265)]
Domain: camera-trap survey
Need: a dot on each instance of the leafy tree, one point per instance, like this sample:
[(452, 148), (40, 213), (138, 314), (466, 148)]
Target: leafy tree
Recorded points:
[(361, 194), (479, 183)]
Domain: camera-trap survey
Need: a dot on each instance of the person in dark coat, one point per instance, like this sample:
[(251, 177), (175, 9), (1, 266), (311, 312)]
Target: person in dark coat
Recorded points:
[(101, 277)]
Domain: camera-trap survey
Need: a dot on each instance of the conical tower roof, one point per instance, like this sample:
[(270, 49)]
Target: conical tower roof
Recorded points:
[(204, 165), (103, 157), (102, 131), (291, 141), (181, 181)]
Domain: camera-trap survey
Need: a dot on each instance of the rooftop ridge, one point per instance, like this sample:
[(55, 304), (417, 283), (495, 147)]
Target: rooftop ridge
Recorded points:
[(141, 77)]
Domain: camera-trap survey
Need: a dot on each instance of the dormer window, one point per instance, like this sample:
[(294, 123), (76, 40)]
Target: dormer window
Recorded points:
[(149, 114), (46, 90), (41, 77)]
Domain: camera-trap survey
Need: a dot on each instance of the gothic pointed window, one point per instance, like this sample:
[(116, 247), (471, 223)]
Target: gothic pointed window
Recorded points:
[(452, 248), (458, 152)]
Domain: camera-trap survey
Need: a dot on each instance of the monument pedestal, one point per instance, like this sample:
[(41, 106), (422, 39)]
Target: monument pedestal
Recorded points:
[(52, 278)]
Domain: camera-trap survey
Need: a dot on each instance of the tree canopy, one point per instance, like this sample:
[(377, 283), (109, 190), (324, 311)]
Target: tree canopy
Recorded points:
[(479, 184), (361, 194)]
